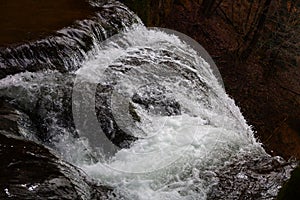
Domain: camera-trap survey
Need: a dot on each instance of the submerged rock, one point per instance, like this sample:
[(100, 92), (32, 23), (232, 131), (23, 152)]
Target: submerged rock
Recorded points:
[(47, 98), (154, 99)]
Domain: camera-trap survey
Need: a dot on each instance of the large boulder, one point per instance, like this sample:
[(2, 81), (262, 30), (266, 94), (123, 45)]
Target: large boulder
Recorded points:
[(29, 170)]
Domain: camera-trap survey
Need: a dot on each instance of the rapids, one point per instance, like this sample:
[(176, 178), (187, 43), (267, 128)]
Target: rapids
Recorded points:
[(141, 112)]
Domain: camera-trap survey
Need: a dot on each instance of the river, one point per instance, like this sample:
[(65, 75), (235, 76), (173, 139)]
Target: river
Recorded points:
[(136, 109)]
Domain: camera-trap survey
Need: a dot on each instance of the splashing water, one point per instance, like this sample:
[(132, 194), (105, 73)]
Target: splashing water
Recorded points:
[(177, 153), (184, 130)]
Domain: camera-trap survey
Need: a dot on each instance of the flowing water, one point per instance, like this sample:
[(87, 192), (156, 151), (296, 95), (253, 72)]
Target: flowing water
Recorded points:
[(144, 113)]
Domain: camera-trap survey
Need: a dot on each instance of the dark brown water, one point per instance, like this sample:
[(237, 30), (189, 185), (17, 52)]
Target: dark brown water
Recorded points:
[(25, 20)]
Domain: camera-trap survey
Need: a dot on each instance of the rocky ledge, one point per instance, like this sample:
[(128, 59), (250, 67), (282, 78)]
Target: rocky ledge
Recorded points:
[(29, 170)]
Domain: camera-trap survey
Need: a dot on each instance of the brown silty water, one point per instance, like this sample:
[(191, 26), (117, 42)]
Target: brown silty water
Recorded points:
[(27, 20)]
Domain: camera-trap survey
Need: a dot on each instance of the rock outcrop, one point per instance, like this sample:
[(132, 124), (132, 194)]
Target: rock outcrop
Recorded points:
[(29, 170)]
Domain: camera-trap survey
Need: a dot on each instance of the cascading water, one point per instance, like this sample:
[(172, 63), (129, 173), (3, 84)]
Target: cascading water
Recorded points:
[(145, 115), (67, 48), (188, 128)]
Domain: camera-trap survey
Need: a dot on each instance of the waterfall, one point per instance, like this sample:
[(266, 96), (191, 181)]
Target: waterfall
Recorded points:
[(140, 111), (67, 48)]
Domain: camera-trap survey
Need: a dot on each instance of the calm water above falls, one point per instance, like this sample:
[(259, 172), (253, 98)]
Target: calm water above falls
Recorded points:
[(144, 114)]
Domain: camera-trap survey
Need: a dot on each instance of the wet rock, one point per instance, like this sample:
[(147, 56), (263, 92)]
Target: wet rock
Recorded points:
[(16, 122), (291, 190), (155, 99), (107, 120), (28, 170), (47, 99), (133, 113), (31, 171), (254, 178)]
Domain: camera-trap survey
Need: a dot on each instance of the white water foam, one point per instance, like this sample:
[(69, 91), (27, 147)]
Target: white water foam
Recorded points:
[(177, 157)]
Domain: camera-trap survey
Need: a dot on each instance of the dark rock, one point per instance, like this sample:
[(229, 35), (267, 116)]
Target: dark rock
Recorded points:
[(106, 118), (45, 98), (16, 122), (29, 170), (291, 190), (253, 178)]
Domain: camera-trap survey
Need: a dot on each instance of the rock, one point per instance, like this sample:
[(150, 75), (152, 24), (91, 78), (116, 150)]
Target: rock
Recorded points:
[(254, 178), (28, 170), (107, 120), (31, 171), (133, 113), (16, 122), (154, 99), (47, 99), (291, 190)]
